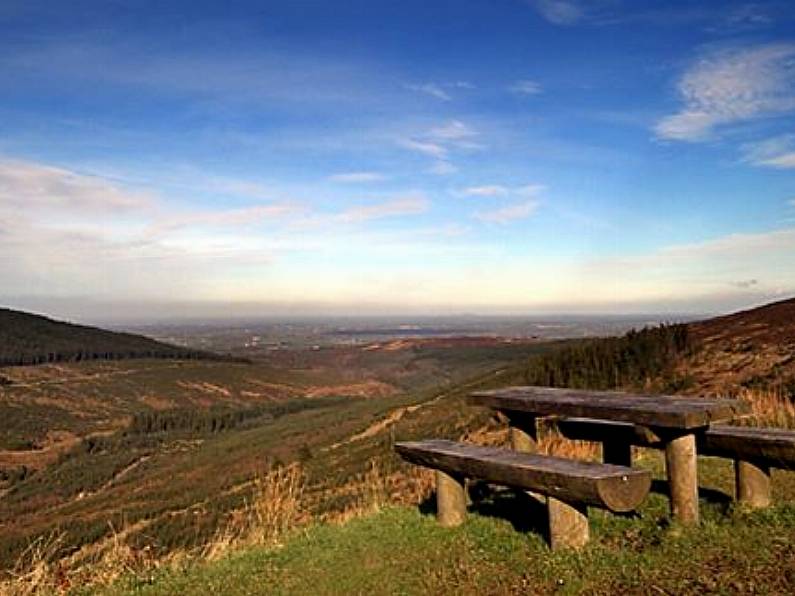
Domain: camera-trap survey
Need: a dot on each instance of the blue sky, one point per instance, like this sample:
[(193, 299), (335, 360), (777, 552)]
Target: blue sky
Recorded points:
[(504, 156)]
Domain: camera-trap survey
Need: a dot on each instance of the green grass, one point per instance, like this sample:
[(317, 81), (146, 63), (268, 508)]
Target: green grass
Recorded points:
[(401, 551), (404, 551)]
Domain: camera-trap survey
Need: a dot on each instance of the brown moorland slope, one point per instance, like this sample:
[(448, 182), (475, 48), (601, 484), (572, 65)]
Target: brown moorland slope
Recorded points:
[(751, 349)]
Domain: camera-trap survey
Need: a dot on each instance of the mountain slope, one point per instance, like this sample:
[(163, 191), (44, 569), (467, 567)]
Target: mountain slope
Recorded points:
[(33, 339), (752, 349)]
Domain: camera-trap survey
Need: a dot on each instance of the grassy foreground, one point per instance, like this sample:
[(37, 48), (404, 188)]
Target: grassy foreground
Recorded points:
[(404, 551)]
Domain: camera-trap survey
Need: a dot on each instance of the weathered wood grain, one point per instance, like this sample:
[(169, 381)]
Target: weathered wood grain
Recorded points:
[(681, 469), (657, 411), (616, 488), (774, 447)]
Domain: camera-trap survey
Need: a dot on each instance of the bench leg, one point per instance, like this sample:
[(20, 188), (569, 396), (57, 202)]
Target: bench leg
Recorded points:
[(617, 453), (568, 525), (523, 433), (752, 484), (450, 500), (682, 471)]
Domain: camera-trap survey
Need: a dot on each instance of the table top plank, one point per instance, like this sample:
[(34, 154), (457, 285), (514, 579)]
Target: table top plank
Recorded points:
[(658, 411)]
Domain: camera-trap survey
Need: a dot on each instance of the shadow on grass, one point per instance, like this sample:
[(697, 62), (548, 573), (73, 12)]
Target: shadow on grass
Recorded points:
[(718, 499), (523, 511)]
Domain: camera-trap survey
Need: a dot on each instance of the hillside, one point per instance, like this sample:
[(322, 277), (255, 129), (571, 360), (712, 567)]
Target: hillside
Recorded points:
[(170, 481), (33, 339), (748, 350)]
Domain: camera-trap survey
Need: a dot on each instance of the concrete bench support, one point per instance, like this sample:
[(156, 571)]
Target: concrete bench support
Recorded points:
[(752, 483), (523, 432), (568, 524), (451, 508)]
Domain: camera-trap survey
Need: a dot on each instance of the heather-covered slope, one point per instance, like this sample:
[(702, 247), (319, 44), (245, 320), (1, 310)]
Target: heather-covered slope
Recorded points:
[(752, 349)]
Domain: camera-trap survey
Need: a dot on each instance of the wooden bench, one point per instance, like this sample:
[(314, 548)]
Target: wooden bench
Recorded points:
[(571, 485), (754, 450)]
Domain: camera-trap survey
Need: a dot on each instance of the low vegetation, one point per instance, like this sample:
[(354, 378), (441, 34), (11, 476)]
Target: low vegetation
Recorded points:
[(251, 501)]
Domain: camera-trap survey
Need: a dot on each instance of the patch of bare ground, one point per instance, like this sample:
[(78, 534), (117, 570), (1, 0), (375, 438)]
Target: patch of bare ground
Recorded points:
[(268, 390), (396, 345), (371, 388), (157, 402), (204, 387)]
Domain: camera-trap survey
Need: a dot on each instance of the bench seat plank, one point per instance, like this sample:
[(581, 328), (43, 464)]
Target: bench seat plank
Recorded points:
[(616, 488)]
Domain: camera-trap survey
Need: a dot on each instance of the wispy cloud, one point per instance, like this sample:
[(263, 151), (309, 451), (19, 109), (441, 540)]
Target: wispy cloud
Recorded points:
[(431, 89), (31, 185), (489, 190), (442, 168), (225, 218), (356, 177), (454, 130), (509, 213), (777, 152), (442, 140), (526, 87), (409, 205), (559, 12), (440, 91), (244, 76), (732, 86), (426, 147), (499, 190)]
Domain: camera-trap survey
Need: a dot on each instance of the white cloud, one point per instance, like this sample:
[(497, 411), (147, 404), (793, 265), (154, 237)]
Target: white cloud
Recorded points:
[(224, 218), (31, 185), (442, 168), (410, 205), (785, 161), (356, 177), (509, 213), (493, 190), (732, 86), (498, 190), (559, 12), (526, 87), (453, 130), (777, 152), (442, 140), (426, 147), (431, 89)]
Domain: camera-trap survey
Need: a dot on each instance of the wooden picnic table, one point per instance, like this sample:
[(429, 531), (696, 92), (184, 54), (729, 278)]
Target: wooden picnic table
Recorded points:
[(675, 420)]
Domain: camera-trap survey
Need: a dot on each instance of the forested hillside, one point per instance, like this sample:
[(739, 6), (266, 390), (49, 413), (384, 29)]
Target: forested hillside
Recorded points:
[(32, 339), (639, 358)]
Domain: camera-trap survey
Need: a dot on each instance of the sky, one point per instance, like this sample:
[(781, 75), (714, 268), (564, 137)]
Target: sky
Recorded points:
[(234, 158)]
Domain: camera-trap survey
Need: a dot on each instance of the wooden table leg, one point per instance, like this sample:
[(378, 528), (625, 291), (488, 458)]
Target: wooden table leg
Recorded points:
[(681, 467)]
